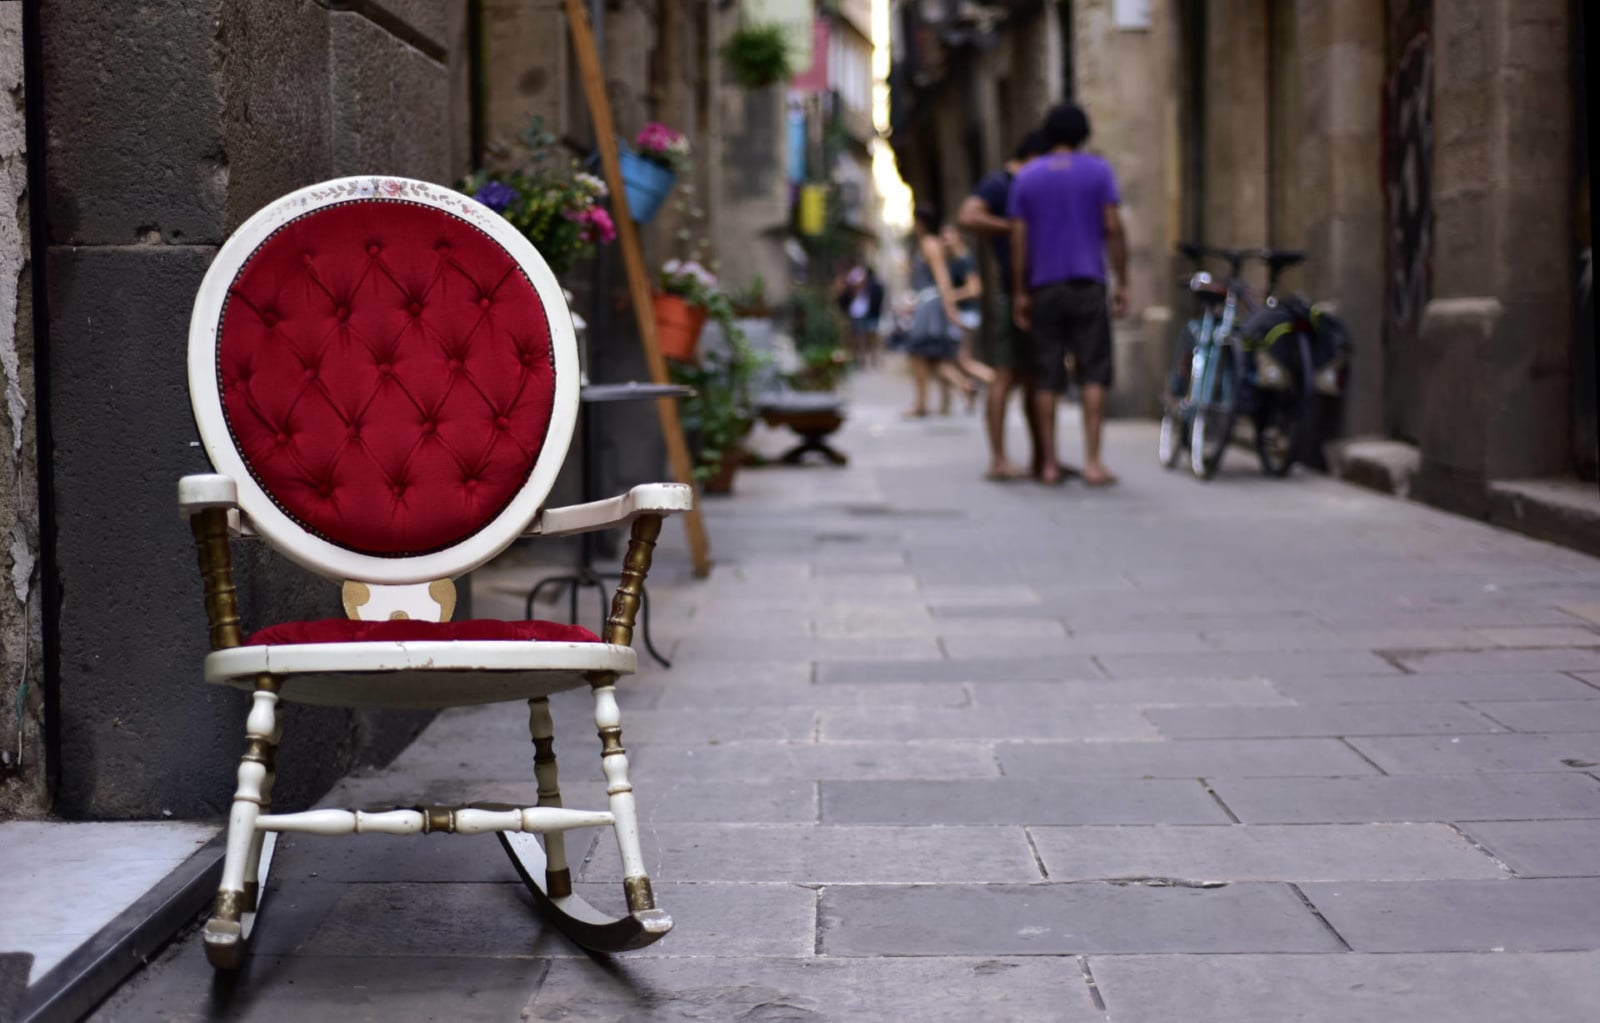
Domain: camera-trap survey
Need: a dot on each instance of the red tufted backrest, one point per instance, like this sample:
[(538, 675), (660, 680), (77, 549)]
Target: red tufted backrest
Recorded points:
[(386, 371)]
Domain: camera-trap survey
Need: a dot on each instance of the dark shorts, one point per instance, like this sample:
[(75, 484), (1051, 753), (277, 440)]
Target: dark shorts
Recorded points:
[(1071, 318), (1000, 344)]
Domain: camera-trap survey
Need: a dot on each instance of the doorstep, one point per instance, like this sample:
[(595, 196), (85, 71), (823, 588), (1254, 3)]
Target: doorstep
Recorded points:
[(89, 902), (1563, 511)]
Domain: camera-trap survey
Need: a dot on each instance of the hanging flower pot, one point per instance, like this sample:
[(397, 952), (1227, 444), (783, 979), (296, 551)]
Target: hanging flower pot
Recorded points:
[(678, 326), (647, 184)]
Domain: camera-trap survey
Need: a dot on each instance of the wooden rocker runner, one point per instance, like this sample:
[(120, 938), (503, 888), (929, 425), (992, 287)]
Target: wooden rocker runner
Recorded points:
[(385, 378)]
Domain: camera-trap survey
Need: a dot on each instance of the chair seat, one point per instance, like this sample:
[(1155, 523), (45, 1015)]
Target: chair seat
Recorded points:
[(417, 664)]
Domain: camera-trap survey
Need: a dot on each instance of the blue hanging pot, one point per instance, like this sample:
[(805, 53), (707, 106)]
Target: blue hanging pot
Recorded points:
[(647, 184)]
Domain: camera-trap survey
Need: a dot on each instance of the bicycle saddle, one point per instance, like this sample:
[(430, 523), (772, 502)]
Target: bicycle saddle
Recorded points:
[(1278, 260)]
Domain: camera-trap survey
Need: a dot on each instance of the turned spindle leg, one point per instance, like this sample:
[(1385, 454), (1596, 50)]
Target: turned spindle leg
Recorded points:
[(224, 932), (557, 876), (614, 761)]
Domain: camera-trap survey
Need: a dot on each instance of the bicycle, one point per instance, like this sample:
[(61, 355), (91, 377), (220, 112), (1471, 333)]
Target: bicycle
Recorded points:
[(1215, 377)]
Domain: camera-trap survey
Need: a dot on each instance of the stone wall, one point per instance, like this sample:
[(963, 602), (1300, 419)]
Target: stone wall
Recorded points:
[(22, 776), (1497, 335), (213, 109)]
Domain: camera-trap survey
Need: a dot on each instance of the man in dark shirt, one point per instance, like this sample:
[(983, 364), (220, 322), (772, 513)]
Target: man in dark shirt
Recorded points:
[(1065, 223), (1005, 345)]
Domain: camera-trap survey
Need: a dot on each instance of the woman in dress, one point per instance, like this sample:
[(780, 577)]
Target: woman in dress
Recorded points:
[(935, 336)]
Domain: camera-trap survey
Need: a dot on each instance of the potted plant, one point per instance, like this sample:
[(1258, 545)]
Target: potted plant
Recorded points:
[(651, 168), (757, 55), (686, 294), (720, 413), (544, 195)]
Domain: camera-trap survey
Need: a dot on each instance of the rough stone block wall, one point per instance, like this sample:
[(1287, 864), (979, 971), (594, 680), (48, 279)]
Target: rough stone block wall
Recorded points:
[(167, 126), (22, 779)]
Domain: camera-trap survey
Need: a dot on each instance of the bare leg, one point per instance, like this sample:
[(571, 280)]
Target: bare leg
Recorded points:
[(919, 386), (994, 417), (1044, 407), (950, 376), (1094, 416)]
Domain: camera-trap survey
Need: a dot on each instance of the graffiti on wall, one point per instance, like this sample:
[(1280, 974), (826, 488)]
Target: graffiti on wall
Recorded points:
[(1408, 183)]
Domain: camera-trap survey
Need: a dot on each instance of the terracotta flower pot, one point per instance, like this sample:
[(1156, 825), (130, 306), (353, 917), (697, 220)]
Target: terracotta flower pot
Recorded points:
[(678, 326)]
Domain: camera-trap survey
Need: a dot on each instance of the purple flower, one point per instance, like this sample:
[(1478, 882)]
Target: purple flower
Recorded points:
[(496, 196)]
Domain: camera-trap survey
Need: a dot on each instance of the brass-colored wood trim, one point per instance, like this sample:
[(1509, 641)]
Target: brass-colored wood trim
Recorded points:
[(230, 905), (443, 592), (210, 528), (558, 883), (258, 751), (640, 895), (437, 818), (611, 742), (635, 566)]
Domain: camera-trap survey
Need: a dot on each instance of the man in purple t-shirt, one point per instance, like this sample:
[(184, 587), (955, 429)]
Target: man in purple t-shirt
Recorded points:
[(1064, 223)]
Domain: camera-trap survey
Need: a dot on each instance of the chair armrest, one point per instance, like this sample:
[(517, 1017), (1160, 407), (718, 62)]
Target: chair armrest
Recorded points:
[(646, 499), (197, 493)]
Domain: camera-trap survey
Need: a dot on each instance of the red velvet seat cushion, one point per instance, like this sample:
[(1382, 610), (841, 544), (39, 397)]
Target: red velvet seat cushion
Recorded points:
[(346, 630), (387, 374)]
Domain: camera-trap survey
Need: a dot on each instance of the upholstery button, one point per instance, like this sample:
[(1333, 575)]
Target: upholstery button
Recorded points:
[(384, 370), (305, 257), (428, 428), (483, 303), (343, 312), (416, 308), (453, 362), (442, 247), (281, 437), (269, 319), (372, 250), (502, 423), (325, 490), (309, 374), (399, 489), (526, 359)]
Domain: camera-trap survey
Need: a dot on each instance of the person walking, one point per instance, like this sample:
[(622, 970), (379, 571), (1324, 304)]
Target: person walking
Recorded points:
[(1065, 222), (935, 338), (1005, 346)]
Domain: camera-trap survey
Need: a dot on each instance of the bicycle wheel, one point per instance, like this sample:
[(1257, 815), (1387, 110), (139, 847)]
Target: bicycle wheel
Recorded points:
[(1286, 419), (1174, 436), (1214, 416)]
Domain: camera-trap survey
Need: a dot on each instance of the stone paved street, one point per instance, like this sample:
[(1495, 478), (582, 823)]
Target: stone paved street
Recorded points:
[(935, 749)]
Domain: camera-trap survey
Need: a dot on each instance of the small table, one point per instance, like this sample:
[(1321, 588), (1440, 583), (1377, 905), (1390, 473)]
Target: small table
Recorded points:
[(590, 395)]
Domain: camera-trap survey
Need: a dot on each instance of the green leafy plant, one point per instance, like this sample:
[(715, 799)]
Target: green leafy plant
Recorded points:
[(757, 55), (542, 192), (819, 340), (750, 300), (721, 412)]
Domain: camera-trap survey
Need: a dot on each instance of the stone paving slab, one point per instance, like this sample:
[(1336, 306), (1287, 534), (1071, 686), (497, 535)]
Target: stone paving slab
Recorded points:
[(1554, 914), (1262, 852), (828, 855), (1458, 988), (1270, 664), (1186, 758), (928, 990), (1172, 692), (1541, 848), (1056, 919), (1410, 798), (1020, 801), (1508, 752), (763, 761), (1560, 659), (1426, 688), (988, 669), (1545, 716), (372, 989), (883, 694), (1321, 720), (1049, 721), (485, 921)]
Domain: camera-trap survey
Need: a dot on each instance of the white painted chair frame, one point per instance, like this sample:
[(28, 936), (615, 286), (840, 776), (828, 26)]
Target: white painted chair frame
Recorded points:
[(230, 504)]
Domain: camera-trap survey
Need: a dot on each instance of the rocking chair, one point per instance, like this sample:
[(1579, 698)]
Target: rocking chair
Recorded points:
[(385, 377)]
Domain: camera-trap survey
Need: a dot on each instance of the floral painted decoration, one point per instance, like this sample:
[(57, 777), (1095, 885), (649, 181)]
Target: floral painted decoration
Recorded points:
[(660, 144)]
